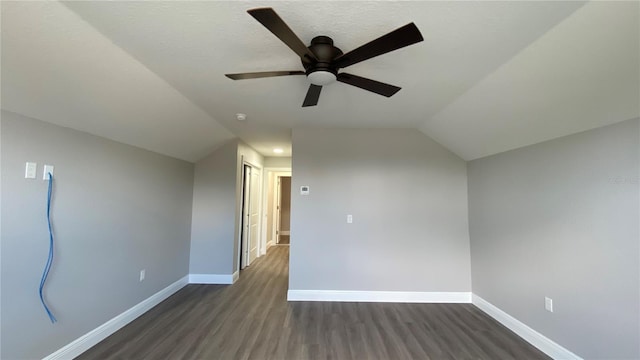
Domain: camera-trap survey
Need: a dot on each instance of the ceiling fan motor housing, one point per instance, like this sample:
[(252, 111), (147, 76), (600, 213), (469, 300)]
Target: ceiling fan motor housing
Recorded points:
[(322, 47)]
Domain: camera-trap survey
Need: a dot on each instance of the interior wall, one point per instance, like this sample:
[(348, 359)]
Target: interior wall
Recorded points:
[(560, 219), (277, 162), (217, 200), (116, 210), (214, 204), (408, 198)]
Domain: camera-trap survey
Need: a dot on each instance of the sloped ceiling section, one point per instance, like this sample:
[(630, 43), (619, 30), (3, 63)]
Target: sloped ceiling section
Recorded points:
[(193, 44), (58, 68), (582, 74), (489, 77)]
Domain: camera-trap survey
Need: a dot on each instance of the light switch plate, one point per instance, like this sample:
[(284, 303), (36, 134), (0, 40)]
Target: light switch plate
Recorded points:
[(548, 304), (30, 170)]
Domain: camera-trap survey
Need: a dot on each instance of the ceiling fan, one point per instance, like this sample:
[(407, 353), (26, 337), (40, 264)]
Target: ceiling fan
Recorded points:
[(321, 60)]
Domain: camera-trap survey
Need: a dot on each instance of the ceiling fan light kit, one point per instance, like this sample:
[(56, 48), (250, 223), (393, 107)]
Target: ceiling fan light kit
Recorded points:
[(321, 77), (322, 60)]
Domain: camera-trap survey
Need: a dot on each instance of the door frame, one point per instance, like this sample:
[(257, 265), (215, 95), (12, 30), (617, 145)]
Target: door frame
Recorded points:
[(267, 171), (240, 209)]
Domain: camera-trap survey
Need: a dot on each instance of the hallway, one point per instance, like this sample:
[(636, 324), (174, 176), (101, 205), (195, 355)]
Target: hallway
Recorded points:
[(252, 320)]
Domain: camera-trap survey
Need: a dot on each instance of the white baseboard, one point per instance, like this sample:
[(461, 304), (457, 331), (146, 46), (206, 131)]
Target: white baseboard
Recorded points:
[(536, 339), (213, 278), (379, 296), (285, 233), (235, 277), (86, 341)]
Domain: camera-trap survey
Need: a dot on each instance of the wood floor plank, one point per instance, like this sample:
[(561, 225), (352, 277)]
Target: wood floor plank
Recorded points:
[(253, 320)]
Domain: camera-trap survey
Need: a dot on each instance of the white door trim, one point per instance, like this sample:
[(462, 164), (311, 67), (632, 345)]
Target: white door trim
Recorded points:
[(255, 212), (277, 208)]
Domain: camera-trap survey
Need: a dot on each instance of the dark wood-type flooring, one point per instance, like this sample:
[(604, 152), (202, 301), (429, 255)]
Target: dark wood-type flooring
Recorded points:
[(284, 240), (253, 320)]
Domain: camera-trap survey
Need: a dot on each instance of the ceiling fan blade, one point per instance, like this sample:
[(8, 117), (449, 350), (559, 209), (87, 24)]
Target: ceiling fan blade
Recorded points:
[(313, 94), (368, 84), (399, 38), (256, 75), (270, 19)]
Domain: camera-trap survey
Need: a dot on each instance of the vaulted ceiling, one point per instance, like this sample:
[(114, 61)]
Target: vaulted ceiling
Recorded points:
[(489, 76)]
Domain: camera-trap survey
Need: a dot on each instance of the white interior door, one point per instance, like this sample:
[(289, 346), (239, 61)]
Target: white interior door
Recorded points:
[(254, 214), (246, 191)]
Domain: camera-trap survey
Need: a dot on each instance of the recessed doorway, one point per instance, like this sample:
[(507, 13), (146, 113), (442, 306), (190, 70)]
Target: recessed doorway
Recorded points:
[(283, 230), (277, 208)]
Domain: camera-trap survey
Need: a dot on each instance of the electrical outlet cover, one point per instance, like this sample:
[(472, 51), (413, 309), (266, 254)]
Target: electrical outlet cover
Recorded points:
[(47, 169)]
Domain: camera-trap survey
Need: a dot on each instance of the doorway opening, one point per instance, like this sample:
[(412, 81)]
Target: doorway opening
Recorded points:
[(277, 208), (283, 211)]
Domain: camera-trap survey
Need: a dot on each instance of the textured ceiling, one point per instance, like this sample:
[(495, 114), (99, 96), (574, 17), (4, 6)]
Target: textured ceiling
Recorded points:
[(152, 73), (57, 68), (582, 74)]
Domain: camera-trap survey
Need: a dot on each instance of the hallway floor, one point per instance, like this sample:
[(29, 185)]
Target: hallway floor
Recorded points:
[(284, 240)]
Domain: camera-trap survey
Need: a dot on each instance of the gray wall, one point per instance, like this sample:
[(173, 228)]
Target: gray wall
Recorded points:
[(214, 204), (277, 162), (560, 219), (116, 210), (217, 195), (408, 198)]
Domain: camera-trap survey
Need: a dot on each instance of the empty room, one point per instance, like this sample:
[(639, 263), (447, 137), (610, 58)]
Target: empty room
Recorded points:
[(320, 180)]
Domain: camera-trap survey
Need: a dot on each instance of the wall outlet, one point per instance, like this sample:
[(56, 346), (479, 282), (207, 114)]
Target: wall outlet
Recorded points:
[(349, 219), (47, 169), (548, 304), (143, 273), (30, 170)]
